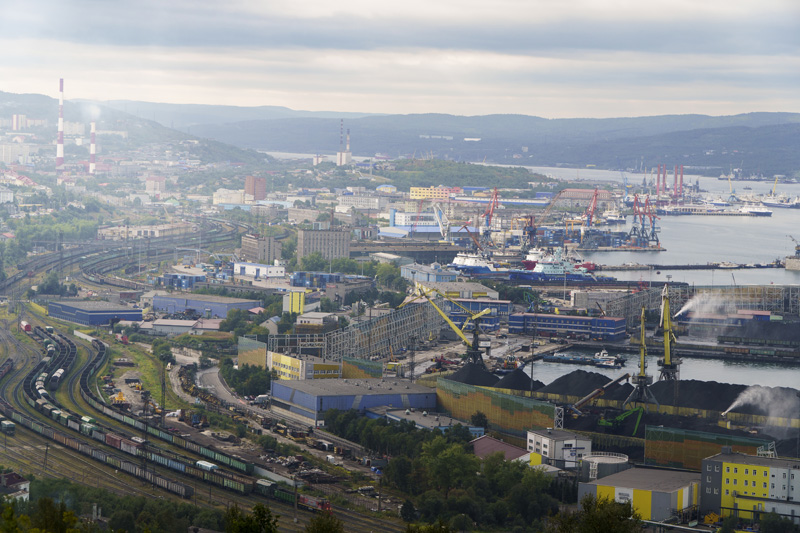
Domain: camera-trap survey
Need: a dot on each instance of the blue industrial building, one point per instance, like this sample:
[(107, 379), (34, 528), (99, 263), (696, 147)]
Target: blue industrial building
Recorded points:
[(309, 399), (316, 280), (594, 328), (202, 304), (92, 313), (500, 310), (181, 281)]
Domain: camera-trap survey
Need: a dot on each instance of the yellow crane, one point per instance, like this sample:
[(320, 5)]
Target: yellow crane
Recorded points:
[(641, 381), (473, 351), (670, 366)]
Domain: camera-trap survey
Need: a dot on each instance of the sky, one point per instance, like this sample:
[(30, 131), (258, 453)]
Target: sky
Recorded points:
[(548, 58)]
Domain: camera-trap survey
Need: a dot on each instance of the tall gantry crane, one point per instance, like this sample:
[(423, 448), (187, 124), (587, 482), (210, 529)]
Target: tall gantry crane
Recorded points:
[(474, 354), (641, 382), (670, 366)]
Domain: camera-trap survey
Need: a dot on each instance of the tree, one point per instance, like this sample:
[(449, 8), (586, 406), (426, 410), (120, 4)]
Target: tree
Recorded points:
[(260, 521), (314, 262), (408, 512), (772, 523), (122, 520), (479, 419), (324, 523), (597, 516)]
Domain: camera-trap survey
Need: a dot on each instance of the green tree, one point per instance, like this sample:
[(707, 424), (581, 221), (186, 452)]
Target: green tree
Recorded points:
[(449, 466), (408, 512), (314, 262), (122, 520), (597, 516), (324, 523), (479, 419), (260, 520), (772, 523)]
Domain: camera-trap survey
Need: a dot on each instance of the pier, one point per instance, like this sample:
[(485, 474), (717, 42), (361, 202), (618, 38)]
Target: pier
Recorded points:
[(707, 266)]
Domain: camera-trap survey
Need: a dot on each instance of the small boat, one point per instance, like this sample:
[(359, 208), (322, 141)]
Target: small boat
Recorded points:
[(604, 360)]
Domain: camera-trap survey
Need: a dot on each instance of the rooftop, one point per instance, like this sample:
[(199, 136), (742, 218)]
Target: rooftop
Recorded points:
[(744, 459), (486, 445), (557, 434), (649, 479), (354, 387), (207, 298), (84, 305)]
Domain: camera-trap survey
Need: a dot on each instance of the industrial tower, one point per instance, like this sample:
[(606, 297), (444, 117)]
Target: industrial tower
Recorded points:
[(60, 140), (641, 381), (670, 366)]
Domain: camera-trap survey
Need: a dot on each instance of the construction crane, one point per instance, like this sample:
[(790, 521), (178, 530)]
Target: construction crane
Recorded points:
[(486, 234), (416, 220), (796, 246), (588, 215), (641, 382), (670, 366), (474, 354), (442, 221), (533, 224)]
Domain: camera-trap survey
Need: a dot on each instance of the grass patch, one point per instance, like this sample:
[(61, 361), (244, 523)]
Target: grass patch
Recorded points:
[(149, 370)]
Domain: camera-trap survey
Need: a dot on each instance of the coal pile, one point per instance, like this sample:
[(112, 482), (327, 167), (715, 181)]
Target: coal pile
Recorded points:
[(708, 395), (518, 380), (473, 374), (579, 383)]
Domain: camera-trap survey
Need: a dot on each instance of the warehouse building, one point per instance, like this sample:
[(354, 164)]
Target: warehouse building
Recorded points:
[(309, 399), (655, 494), (289, 366), (594, 328), (202, 304), (92, 313)]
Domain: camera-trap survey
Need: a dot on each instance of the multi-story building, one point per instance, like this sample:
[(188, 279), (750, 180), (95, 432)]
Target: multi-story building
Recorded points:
[(557, 447), (260, 248), (551, 325), (303, 366), (155, 184), (424, 273), (434, 193), (404, 218), (350, 201), (255, 187), (227, 196), (748, 486), (331, 243)]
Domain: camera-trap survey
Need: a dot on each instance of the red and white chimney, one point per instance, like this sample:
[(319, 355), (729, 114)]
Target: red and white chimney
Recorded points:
[(92, 149), (60, 142)]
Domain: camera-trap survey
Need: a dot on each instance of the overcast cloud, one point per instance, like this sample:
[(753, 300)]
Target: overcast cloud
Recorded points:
[(550, 58)]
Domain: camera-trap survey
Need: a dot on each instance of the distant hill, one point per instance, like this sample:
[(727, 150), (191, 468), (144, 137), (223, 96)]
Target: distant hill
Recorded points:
[(184, 116), (757, 142)]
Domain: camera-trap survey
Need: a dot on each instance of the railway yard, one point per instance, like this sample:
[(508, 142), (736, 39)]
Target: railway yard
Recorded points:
[(69, 429)]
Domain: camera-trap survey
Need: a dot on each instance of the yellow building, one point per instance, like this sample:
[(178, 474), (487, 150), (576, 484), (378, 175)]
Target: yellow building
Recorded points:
[(433, 193), (748, 485), (288, 366), (653, 493)]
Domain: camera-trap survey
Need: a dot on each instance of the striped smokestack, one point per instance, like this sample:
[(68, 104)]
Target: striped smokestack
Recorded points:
[(92, 150), (60, 142)]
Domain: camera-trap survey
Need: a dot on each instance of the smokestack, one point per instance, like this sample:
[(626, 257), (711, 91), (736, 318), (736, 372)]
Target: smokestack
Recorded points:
[(348, 140), (658, 181), (341, 134), (675, 185), (92, 149), (60, 142)]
